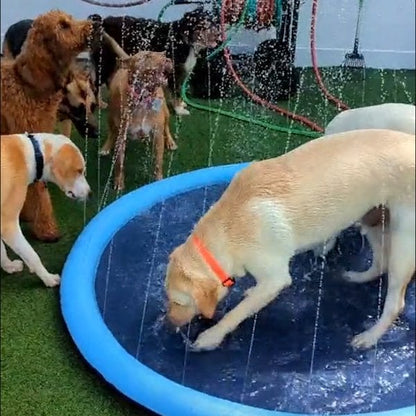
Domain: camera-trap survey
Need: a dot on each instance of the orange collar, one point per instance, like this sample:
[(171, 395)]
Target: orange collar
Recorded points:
[(226, 280)]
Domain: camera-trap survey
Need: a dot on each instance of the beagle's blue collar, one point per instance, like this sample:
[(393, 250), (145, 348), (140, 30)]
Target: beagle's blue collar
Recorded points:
[(38, 156)]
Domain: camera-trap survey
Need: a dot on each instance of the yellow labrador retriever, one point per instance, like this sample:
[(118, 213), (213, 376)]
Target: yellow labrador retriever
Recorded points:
[(275, 208), (26, 158)]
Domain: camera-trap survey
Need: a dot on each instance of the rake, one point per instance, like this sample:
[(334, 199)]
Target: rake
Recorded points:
[(355, 59)]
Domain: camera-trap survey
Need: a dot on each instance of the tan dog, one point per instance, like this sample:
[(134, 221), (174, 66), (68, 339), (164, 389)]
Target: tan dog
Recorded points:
[(24, 160), (137, 107), (278, 207), (78, 104), (31, 92)]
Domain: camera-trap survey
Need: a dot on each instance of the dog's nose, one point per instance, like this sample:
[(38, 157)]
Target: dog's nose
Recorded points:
[(90, 193)]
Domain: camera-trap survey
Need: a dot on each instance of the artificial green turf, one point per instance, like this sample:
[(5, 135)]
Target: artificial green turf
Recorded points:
[(41, 371)]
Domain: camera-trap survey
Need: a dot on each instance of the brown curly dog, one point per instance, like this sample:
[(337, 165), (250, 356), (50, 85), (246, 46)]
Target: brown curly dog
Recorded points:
[(31, 91)]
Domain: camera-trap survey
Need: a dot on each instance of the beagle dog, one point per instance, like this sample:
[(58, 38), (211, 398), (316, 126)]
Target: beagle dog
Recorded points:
[(276, 208), (26, 158)]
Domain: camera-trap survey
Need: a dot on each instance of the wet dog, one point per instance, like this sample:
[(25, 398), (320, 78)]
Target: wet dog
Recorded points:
[(137, 107), (32, 90), (26, 159), (79, 100), (276, 208), (181, 40)]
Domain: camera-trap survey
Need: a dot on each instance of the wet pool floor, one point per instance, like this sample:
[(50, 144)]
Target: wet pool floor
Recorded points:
[(277, 375)]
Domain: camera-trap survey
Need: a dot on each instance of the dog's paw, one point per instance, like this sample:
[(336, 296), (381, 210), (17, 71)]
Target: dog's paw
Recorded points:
[(171, 145), (208, 340), (14, 266), (119, 185), (364, 340), (52, 280), (104, 152), (181, 111)]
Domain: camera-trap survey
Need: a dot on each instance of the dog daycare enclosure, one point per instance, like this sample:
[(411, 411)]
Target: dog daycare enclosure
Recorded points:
[(281, 70)]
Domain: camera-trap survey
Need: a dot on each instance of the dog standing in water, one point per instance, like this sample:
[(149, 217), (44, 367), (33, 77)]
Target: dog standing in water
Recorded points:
[(276, 208)]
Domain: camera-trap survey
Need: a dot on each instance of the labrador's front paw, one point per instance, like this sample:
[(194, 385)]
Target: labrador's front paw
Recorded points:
[(208, 340), (365, 340)]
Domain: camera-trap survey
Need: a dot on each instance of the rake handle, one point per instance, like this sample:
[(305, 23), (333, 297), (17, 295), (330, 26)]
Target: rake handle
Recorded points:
[(357, 27)]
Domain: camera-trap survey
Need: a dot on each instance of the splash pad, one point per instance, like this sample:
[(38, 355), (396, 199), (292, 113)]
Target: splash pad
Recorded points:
[(292, 357)]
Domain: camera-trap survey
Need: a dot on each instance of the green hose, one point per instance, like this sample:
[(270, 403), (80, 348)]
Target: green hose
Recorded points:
[(278, 14), (241, 117)]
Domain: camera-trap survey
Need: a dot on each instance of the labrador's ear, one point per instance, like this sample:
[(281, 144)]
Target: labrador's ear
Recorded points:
[(205, 296), (375, 216)]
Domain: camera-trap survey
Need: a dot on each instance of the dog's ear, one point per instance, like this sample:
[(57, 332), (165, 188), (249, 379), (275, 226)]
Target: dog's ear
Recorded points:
[(375, 216), (33, 75), (205, 295), (95, 18)]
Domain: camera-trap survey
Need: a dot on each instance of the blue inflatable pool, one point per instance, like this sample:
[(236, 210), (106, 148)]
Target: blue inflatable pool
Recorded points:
[(113, 302)]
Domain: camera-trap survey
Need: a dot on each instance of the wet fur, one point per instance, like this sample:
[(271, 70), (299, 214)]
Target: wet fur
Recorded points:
[(278, 207), (177, 39), (127, 117), (79, 99), (31, 92)]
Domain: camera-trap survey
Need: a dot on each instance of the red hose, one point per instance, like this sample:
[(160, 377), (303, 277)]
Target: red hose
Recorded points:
[(255, 97), (265, 13), (328, 95)]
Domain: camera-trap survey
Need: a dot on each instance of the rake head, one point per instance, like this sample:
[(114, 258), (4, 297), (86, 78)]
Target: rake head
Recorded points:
[(354, 60)]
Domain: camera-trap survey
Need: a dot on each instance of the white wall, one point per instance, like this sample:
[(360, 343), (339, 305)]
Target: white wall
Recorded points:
[(387, 37), (14, 10)]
